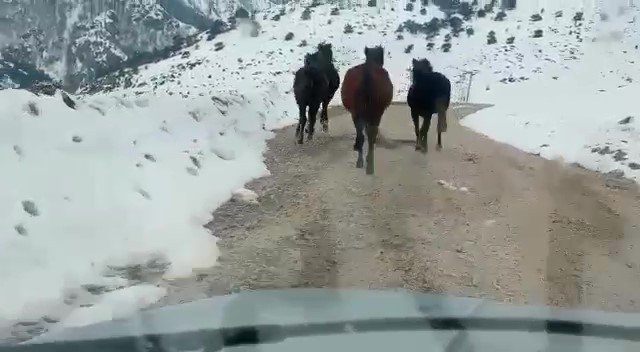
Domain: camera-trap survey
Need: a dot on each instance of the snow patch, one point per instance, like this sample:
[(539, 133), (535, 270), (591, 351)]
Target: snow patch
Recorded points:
[(450, 186), (115, 305), (139, 186), (245, 195)]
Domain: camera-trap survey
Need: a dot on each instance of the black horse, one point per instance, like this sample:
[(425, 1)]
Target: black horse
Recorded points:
[(333, 78), (430, 93), (315, 85), (309, 88)]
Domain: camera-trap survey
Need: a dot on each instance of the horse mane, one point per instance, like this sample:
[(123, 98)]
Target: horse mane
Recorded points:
[(374, 55)]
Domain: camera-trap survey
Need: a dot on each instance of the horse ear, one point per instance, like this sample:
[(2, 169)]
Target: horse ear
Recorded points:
[(414, 62), (366, 51)]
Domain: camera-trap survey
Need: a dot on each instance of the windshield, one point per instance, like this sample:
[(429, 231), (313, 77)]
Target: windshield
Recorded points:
[(160, 152)]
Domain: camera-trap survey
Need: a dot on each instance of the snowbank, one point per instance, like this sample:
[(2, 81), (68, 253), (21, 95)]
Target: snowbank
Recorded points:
[(119, 181), (580, 110), (569, 122)]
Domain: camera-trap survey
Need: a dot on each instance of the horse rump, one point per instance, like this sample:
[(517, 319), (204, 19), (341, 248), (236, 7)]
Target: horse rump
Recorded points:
[(308, 84)]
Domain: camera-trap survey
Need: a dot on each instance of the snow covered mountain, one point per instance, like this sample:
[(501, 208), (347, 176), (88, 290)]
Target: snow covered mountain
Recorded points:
[(127, 178), (77, 40)]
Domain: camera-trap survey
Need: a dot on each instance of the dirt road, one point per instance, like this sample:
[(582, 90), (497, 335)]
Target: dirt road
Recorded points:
[(477, 219)]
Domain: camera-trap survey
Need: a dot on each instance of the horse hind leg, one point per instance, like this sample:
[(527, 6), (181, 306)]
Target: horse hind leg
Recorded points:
[(324, 116), (424, 130), (416, 127), (313, 112), (442, 126), (358, 123), (301, 123), (372, 135)]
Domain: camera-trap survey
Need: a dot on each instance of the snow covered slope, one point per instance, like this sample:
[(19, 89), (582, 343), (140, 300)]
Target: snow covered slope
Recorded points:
[(579, 107), (128, 179)]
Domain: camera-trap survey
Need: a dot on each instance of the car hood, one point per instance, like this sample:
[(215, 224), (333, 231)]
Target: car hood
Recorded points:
[(301, 307)]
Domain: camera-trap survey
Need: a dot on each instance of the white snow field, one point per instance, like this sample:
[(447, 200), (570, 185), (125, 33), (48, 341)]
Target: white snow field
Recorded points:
[(130, 177)]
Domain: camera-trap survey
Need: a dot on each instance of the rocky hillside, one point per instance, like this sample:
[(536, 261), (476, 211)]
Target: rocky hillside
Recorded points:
[(77, 40)]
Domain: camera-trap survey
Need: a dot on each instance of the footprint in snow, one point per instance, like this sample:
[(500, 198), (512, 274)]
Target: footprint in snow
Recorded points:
[(195, 161), (192, 171), (144, 193), (30, 208), (224, 154), (21, 230), (33, 109), (150, 157)]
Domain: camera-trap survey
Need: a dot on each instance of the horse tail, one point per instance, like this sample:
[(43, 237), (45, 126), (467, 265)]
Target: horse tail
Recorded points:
[(366, 90), (442, 104), (448, 91)]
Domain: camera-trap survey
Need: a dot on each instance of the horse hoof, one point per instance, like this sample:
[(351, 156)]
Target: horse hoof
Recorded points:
[(438, 147), (359, 164), (418, 147), (300, 141), (369, 170), (325, 128), (423, 150)]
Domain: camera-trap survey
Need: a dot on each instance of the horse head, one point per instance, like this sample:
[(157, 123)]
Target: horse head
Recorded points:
[(420, 69), (326, 50), (374, 55), (422, 65)]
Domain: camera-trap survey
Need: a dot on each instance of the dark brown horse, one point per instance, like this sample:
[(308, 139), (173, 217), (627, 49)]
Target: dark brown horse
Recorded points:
[(310, 86), (367, 91), (333, 79), (314, 85)]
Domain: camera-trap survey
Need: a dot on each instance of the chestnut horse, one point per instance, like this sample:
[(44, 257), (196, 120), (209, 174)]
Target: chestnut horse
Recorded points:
[(366, 92)]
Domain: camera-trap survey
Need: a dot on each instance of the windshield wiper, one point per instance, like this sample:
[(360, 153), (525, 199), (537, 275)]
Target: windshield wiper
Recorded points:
[(216, 339)]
